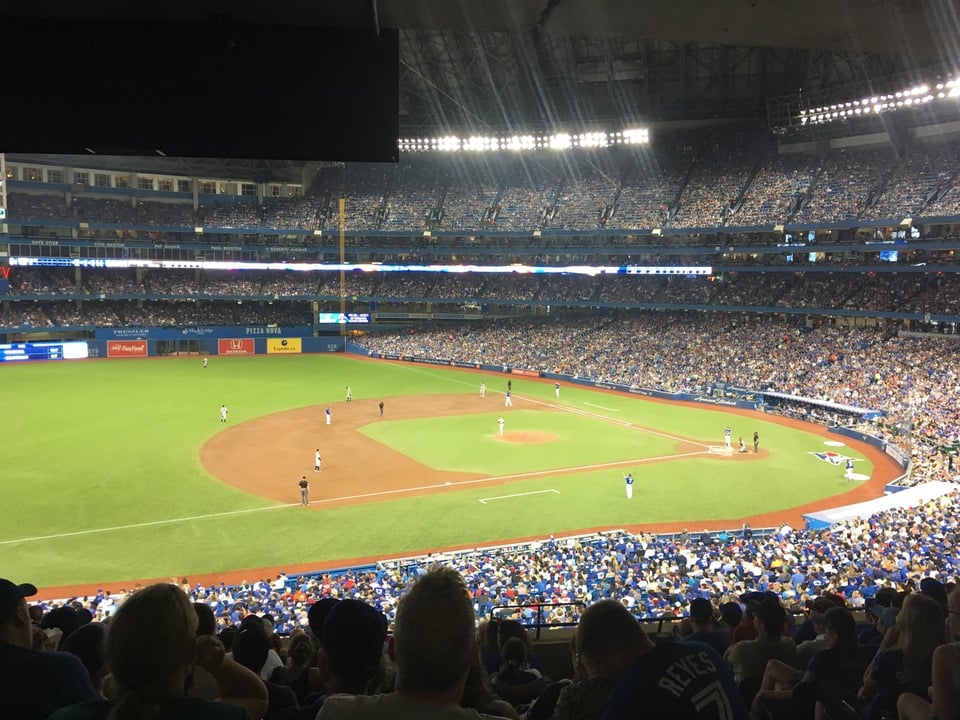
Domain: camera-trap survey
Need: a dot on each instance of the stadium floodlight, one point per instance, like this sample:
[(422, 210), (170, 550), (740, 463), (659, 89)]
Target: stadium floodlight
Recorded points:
[(480, 143), (521, 142), (450, 143), (919, 94), (591, 139), (636, 136), (518, 143)]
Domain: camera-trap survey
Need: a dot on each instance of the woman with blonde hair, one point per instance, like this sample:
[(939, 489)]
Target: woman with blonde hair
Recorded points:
[(152, 648), (905, 667), (944, 701)]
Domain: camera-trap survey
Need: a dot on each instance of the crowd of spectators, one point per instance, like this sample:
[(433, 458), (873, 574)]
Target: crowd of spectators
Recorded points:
[(915, 182), (911, 379), (719, 176), (904, 292), (773, 612), (773, 193), (845, 184), (696, 178)]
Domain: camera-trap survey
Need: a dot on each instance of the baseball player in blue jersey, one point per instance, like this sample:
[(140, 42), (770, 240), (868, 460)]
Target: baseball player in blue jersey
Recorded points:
[(848, 471), (628, 481)]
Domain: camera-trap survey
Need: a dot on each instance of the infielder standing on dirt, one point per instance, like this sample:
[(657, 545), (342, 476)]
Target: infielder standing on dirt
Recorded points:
[(508, 402), (628, 482), (328, 415), (316, 460)]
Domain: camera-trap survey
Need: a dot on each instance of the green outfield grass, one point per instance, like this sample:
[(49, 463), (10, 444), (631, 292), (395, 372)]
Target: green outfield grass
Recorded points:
[(102, 481)]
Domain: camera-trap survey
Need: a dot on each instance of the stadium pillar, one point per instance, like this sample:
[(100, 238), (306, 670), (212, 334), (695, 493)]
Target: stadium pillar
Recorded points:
[(3, 193), (343, 255)]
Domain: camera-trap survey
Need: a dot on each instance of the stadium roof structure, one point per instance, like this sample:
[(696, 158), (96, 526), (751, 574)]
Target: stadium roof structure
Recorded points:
[(485, 66)]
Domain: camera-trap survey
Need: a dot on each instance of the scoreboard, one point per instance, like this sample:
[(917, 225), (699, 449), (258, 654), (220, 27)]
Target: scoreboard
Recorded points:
[(329, 318), (70, 350)]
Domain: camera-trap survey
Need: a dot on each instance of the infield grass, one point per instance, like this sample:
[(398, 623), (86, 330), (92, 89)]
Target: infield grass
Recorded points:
[(102, 480)]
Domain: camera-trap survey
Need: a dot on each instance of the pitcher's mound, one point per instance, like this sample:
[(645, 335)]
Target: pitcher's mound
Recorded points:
[(526, 437)]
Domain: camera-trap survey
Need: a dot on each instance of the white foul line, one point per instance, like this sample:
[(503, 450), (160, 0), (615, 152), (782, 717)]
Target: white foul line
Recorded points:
[(556, 471), (381, 493), (484, 501), (566, 408), (150, 523), (622, 423), (601, 407)]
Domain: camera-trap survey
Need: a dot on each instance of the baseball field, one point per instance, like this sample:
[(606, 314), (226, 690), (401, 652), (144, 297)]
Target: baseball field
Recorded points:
[(119, 470)]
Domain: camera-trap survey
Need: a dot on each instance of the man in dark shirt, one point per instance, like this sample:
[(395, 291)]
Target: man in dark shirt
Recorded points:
[(33, 683), (704, 626), (681, 681)]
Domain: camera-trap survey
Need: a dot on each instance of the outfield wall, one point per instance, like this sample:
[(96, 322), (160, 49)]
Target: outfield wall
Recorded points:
[(211, 340)]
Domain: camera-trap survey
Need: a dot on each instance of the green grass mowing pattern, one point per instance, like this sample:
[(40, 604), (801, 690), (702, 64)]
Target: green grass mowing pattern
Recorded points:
[(469, 443), (102, 444)]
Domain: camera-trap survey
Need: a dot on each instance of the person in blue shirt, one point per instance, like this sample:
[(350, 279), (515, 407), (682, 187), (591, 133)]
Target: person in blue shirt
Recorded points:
[(680, 681), (628, 481)]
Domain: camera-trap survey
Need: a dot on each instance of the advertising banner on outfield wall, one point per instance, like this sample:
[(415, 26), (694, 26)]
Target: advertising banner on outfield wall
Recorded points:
[(525, 372), (283, 346), (202, 332), (126, 348), (236, 346)]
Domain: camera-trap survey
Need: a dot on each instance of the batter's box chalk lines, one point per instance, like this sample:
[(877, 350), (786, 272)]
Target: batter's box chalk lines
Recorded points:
[(484, 501), (602, 407)]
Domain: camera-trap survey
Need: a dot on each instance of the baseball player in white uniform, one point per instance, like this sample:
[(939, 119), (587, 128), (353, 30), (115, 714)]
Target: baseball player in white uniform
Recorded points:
[(500, 424), (223, 413), (508, 402), (483, 390), (316, 460), (726, 437), (328, 415), (628, 483), (556, 390)]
